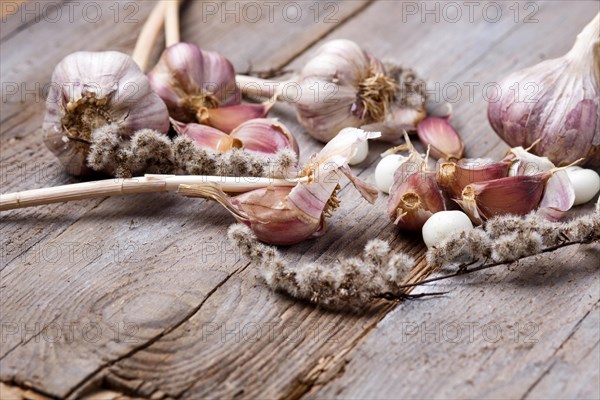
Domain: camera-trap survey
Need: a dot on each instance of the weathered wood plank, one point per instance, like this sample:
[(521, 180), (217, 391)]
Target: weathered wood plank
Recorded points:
[(114, 225), (287, 373), (540, 294)]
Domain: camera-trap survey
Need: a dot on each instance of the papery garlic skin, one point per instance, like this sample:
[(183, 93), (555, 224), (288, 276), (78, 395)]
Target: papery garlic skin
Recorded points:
[(265, 136), (93, 89), (454, 176), (441, 137), (413, 201), (207, 137), (556, 102), (191, 80), (343, 86), (284, 215)]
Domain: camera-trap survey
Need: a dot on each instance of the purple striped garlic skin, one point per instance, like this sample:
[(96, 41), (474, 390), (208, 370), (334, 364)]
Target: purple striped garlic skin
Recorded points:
[(90, 90)]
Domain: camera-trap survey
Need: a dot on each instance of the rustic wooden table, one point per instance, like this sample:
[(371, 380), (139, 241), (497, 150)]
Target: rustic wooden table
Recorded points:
[(143, 297)]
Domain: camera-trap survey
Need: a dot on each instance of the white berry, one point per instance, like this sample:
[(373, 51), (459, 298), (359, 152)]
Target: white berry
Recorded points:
[(444, 224), (362, 151), (384, 173), (585, 182)]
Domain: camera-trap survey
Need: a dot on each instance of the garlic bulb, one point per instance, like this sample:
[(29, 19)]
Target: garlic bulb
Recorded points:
[(343, 86), (90, 90), (556, 102), (284, 215), (199, 86)]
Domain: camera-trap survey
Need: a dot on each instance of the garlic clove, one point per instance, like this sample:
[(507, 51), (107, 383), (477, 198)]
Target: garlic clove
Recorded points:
[(562, 114), (441, 136), (454, 176), (284, 215), (188, 78), (362, 152), (265, 211), (91, 90), (207, 137), (414, 201), (398, 119), (323, 176), (443, 225), (585, 183), (516, 195), (265, 136), (384, 172), (558, 198), (228, 118), (526, 163)]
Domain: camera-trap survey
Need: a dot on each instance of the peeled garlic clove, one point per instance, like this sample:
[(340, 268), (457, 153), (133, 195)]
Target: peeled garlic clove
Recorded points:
[(585, 182), (555, 102), (443, 225), (91, 90), (443, 140), (207, 137), (453, 177), (384, 172), (265, 136), (228, 118), (362, 152), (189, 79), (414, 201), (516, 195)]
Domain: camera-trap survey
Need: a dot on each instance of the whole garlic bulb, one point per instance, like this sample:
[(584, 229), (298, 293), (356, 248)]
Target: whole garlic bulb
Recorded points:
[(556, 102), (93, 89), (343, 86), (188, 78), (199, 86)]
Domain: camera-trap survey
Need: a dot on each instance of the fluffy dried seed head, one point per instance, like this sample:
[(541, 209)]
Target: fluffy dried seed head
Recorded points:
[(376, 250), (515, 246)]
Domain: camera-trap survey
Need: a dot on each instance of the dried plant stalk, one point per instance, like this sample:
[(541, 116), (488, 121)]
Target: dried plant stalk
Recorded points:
[(119, 187), (149, 35)]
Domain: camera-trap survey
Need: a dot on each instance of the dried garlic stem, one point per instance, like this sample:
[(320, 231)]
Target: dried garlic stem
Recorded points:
[(120, 187), (149, 35), (264, 88), (172, 23)]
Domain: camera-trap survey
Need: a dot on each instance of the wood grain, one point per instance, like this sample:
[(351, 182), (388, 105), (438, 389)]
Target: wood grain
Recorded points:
[(188, 367), (204, 326), (39, 287)]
